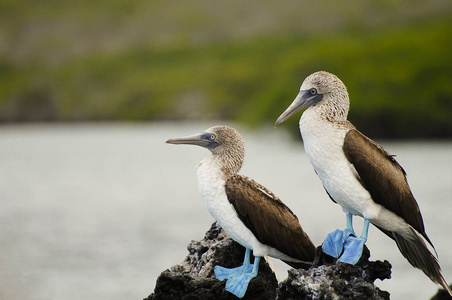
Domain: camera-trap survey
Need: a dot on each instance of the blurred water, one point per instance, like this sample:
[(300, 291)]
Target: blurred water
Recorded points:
[(98, 211)]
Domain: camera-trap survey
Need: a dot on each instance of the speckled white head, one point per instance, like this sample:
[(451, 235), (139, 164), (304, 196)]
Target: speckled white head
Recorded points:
[(324, 91), (223, 141)]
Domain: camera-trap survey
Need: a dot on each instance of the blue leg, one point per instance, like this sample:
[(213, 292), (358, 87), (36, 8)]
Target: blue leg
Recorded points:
[(239, 278), (334, 242), (349, 230), (353, 247)]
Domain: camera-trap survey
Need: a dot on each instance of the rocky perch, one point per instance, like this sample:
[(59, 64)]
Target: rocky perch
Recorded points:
[(194, 278)]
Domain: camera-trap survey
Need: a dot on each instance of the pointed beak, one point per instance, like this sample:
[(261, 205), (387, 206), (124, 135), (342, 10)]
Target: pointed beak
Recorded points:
[(195, 139), (303, 100), (202, 139), (297, 105)]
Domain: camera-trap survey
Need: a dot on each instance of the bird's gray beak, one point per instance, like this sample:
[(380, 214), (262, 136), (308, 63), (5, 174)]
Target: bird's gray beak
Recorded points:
[(195, 139), (303, 100)]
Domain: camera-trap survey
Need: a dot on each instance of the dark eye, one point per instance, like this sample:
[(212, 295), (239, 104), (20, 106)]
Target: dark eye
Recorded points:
[(313, 91), (212, 137)]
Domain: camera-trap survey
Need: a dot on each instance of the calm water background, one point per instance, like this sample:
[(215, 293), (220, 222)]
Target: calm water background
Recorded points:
[(98, 211)]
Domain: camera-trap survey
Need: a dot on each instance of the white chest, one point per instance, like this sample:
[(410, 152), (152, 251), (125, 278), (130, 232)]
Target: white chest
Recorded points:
[(323, 141), (211, 185)]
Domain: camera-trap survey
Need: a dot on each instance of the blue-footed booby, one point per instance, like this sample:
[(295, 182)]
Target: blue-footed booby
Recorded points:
[(248, 212), (359, 175)]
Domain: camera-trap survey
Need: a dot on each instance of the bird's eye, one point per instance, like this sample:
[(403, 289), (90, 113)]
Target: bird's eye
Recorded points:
[(313, 91), (212, 137)]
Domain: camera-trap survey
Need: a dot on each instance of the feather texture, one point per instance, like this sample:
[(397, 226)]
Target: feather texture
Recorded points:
[(270, 220), (386, 182)]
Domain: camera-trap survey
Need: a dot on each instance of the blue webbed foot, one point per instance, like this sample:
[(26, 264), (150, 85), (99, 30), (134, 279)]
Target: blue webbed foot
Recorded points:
[(348, 233), (226, 273), (353, 246), (346, 242), (353, 249), (239, 278), (334, 243), (239, 285)]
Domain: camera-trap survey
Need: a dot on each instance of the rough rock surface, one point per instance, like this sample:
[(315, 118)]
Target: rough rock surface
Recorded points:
[(330, 280), (194, 278)]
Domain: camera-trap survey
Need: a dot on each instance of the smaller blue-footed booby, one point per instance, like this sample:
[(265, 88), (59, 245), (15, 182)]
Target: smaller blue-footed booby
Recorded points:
[(248, 212), (359, 175)]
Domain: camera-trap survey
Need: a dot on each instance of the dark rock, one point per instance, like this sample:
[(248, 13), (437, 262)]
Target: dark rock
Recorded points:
[(330, 280), (442, 295), (194, 278)]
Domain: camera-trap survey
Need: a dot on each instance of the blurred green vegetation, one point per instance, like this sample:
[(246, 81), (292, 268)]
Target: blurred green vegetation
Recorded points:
[(83, 61)]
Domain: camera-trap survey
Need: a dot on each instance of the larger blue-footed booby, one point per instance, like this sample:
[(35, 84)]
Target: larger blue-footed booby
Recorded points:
[(359, 175), (248, 212)]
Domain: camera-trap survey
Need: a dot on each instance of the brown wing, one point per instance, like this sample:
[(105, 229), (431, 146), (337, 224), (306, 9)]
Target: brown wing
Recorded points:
[(270, 220), (384, 178)]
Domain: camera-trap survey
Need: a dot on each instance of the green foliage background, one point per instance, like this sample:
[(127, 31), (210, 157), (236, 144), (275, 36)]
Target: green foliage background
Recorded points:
[(159, 60)]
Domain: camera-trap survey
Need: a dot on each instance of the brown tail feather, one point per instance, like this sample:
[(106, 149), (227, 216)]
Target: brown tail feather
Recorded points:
[(299, 265), (418, 255)]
